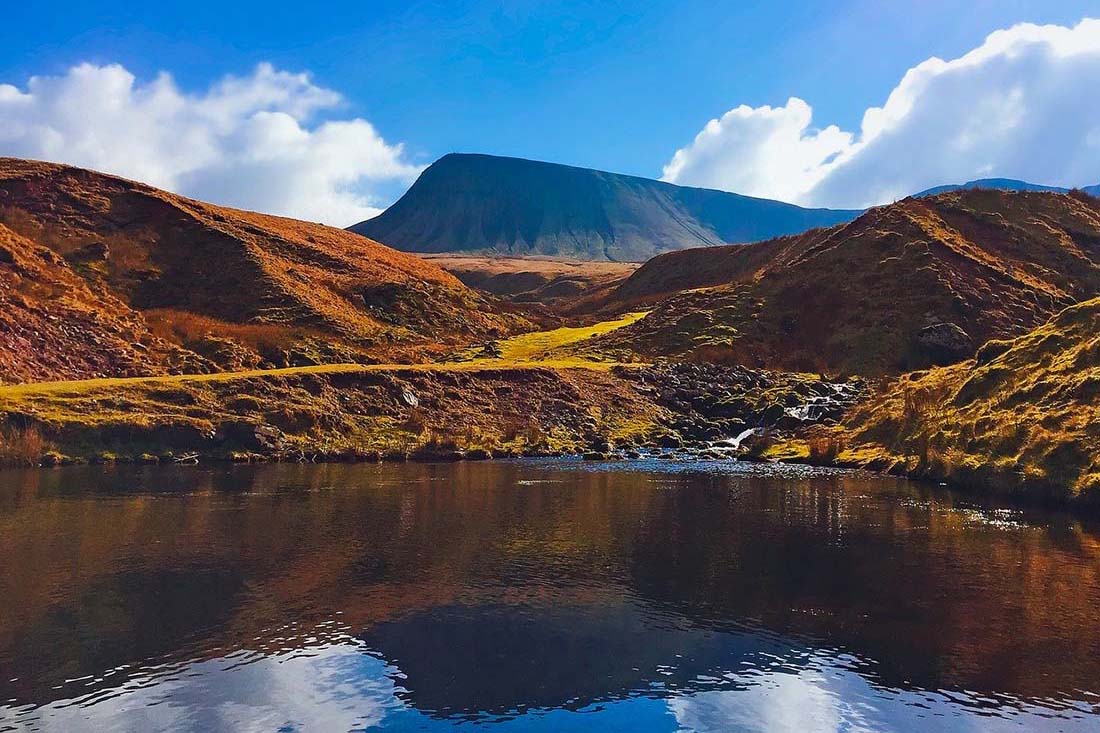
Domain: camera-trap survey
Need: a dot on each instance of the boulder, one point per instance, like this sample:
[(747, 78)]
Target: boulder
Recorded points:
[(945, 343), (90, 252)]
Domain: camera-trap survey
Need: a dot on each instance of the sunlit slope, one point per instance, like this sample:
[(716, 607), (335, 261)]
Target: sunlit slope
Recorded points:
[(237, 288), (1024, 417), (920, 282)]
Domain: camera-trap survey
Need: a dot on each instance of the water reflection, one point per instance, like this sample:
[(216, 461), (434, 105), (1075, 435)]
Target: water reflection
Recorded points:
[(536, 596)]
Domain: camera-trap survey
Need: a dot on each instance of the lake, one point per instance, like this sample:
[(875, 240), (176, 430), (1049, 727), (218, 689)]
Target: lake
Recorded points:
[(549, 595)]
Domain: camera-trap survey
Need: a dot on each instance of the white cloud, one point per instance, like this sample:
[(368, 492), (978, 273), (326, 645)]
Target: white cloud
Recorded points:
[(781, 702), (247, 141), (762, 151), (1024, 105)]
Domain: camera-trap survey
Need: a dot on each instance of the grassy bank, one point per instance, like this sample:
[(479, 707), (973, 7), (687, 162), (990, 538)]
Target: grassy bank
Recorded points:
[(1022, 419), (327, 412), (517, 399)]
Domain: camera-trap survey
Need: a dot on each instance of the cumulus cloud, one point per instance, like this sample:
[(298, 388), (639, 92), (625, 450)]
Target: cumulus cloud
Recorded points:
[(761, 151), (1022, 105), (252, 142)]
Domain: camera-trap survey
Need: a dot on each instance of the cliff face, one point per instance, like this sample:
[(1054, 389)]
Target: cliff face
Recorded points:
[(487, 204)]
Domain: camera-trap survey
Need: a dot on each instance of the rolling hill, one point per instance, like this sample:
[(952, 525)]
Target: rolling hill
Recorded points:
[(920, 282), (234, 289), (483, 204)]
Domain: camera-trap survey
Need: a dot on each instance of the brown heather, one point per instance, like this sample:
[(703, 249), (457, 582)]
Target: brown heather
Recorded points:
[(89, 256), (852, 299)]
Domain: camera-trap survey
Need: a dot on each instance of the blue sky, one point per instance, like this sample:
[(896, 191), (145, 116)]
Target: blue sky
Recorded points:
[(618, 86)]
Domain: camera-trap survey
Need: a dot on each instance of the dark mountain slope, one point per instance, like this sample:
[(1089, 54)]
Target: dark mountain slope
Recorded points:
[(493, 205), (922, 281), (1003, 184)]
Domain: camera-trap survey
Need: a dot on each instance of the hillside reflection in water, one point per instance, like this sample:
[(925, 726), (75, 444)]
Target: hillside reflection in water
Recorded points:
[(537, 596)]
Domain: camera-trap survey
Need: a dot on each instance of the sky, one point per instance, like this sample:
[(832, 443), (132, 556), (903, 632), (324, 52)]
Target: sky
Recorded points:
[(329, 113)]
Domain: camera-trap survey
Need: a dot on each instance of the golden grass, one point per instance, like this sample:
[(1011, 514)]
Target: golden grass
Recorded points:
[(1023, 418), (550, 346), (22, 447), (188, 328)]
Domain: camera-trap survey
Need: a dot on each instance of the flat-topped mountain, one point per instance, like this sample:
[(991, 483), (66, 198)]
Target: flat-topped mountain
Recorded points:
[(496, 205), (919, 282), (128, 270)]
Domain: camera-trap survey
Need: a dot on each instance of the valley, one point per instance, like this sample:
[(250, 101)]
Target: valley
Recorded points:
[(937, 337)]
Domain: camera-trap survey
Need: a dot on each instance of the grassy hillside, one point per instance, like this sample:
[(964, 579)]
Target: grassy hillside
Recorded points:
[(326, 412), (1023, 418), (238, 288), (54, 326), (905, 286), (517, 396)]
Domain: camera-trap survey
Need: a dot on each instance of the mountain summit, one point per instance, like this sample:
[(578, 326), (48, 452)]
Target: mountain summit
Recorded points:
[(497, 205)]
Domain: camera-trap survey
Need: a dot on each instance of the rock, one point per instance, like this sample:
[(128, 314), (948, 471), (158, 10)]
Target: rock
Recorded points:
[(595, 456), (732, 427), (600, 445), (90, 252), (53, 459), (730, 408), (773, 413), (410, 398), (945, 343), (669, 440), (478, 454), (270, 437)]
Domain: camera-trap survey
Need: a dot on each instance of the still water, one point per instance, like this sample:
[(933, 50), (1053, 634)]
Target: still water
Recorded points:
[(537, 596)]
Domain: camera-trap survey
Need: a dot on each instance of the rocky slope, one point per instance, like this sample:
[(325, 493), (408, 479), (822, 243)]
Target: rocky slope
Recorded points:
[(492, 205), (1022, 418), (920, 282), (238, 289), (54, 326)]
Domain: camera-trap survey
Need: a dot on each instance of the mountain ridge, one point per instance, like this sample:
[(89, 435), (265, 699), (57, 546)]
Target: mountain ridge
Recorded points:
[(1004, 184), (484, 204)]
